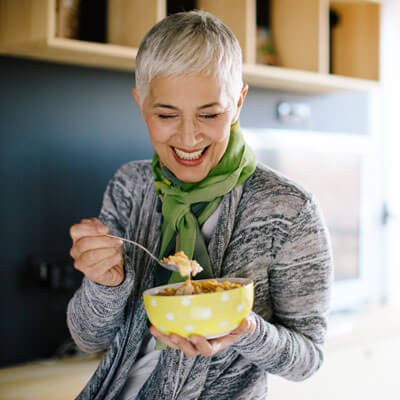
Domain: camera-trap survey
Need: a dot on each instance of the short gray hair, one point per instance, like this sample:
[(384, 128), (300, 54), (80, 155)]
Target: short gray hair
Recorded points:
[(189, 43)]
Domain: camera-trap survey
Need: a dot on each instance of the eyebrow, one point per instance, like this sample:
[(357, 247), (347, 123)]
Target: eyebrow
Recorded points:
[(175, 108)]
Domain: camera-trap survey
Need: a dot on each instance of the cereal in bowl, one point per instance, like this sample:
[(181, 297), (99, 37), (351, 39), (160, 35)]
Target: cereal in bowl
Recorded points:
[(190, 287)]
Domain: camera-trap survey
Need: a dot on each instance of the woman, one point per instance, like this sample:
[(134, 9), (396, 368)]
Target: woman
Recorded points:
[(202, 193)]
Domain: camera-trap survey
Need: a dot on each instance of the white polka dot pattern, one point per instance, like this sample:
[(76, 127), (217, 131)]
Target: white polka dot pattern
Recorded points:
[(224, 297), (185, 301)]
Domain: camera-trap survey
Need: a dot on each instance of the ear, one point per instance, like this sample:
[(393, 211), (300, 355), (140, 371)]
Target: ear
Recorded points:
[(137, 98), (243, 94)]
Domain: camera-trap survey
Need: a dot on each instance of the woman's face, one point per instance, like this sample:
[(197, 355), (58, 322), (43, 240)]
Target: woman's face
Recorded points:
[(189, 120)]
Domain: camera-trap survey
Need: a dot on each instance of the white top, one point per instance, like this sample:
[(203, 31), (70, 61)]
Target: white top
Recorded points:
[(144, 366)]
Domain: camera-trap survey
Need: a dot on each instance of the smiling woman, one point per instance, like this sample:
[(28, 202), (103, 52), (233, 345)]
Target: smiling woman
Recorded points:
[(204, 194)]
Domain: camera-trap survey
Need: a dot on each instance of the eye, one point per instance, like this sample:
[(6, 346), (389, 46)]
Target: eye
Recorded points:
[(210, 116), (166, 116)]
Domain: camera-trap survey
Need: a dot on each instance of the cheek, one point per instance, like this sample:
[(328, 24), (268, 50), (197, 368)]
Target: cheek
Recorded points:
[(159, 133), (220, 132)]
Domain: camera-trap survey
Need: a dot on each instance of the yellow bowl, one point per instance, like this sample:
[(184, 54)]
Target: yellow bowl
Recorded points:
[(210, 314)]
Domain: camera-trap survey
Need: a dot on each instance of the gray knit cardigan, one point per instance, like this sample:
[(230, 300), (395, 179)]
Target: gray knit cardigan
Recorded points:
[(270, 230)]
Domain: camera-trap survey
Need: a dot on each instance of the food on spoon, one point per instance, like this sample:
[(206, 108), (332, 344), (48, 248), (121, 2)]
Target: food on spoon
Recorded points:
[(194, 287), (186, 267)]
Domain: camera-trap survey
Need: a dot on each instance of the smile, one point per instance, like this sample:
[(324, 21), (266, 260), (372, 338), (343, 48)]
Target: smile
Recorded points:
[(190, 158), (193, 155)]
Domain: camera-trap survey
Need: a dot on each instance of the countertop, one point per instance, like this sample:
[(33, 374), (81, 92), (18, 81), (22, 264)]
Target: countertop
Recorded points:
[(58, 379)]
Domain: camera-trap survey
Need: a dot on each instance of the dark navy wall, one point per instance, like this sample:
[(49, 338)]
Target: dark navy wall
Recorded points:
[(64, 130)]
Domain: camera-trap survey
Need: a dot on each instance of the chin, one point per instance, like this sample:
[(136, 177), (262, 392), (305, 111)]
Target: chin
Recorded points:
[(189, 177)]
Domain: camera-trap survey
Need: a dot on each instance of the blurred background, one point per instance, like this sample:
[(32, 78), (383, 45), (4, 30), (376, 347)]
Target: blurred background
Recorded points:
[(321, 108)]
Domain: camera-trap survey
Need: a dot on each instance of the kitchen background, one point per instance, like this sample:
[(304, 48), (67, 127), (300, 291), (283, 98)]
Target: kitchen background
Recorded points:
[(65, 129)]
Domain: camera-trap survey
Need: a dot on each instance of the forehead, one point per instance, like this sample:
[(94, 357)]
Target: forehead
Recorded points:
[(187, 90)]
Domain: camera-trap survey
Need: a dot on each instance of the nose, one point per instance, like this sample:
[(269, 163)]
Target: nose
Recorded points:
[(189, 134)]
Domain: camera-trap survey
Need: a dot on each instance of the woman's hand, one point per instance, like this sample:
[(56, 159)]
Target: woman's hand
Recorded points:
[(97, 256), (198, 345)]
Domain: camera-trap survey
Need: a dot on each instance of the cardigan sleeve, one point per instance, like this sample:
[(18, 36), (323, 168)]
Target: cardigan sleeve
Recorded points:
[(291, 345), (95, 313)]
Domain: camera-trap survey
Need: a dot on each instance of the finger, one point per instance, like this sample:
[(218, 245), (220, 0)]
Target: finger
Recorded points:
[(221, 343), (208, 348), (185, 345), (176, 342), (163, 338), (95, 221), (113, 276), (248, 325), (88, 220), (202, 345), (108, 272), (97, 262), (78, 231), (87, 243)]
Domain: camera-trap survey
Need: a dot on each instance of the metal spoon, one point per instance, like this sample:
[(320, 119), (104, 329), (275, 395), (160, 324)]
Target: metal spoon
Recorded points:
[(171, 267)]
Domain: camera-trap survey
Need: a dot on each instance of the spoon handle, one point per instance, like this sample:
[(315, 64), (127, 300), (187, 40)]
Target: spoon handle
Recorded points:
[(136, 244)]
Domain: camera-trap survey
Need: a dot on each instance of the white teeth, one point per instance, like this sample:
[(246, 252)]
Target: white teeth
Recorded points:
[(188, 156)]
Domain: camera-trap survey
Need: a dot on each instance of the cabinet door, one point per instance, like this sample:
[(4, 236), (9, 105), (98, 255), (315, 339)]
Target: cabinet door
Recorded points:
[(355, 40), (240, 16), (128, 20), (300, 31), (24, 22)]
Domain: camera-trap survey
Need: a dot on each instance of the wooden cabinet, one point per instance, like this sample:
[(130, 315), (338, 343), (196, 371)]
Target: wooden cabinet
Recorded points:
[(355, 41), (300, 30), (312, 56)]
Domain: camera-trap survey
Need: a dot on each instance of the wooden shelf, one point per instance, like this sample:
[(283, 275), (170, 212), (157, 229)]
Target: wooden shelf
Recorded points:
[(27, 29), (303, 81), (122, 58), (78, 52), (358, 1), (91, 54)]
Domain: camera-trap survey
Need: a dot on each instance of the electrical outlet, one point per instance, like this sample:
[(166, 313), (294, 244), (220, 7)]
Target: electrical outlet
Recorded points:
[(54, 274)]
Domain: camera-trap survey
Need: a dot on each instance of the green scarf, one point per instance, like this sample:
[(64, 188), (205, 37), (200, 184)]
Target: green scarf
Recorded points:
[(179, 199)]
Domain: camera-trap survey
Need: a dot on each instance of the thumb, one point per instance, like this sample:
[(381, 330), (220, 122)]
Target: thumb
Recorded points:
[(248, 325), (101, 228)]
